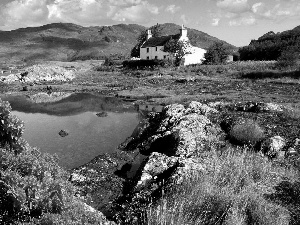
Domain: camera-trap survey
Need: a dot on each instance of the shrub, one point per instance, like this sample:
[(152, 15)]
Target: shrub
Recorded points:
[(230, 189), (142, 64), (11, 129), (217, 53), (287, 59), (246, 132)]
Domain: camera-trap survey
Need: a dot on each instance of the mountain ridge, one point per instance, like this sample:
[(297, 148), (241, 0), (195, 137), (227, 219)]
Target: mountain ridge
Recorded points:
[(68, 41)]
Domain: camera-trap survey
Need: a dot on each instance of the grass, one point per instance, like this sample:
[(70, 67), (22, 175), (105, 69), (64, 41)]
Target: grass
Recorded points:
[(231, 190), (273, 74)]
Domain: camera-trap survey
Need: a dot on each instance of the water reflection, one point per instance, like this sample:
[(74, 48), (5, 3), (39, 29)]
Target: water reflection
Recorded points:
[(89, 135), (95, 124)]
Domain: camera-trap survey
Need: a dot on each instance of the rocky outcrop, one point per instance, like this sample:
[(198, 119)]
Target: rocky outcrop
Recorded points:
[(41, 73), (173, 143), (168, 147), (43, 97)]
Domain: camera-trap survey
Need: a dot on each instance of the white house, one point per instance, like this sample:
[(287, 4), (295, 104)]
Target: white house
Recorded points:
[(153, 48)]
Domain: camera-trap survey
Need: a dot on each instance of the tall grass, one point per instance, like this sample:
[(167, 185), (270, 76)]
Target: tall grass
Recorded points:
[(232, 68), (229, 191)]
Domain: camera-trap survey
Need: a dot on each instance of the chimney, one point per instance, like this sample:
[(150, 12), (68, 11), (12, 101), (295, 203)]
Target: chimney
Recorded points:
[(149, 34), (183, 32)]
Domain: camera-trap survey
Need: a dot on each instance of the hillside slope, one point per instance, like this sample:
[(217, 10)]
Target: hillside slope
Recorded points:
[(66, 42)]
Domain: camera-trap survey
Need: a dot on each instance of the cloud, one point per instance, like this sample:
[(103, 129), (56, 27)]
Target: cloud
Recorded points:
[(24, 12), (241, 12), (284, 9), (184, 19), (234, 6), (245, 21), (137, 13), (20, 13), (172, 9), (215, 22)]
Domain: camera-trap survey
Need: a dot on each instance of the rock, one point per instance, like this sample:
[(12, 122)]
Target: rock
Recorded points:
[(273, 147), (258, 107), (63, 133), (102, 114), (157, 164), (294, 149), (174, 139)]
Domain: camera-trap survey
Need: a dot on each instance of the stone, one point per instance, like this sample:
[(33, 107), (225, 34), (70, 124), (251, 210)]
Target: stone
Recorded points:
[(258, 107), (63, 133), (102, 114), (273, 147)]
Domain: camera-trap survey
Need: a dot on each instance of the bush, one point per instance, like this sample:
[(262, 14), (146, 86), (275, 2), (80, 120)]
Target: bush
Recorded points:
[(142, 64), (216, 54), (287, 59), (230, 189), (246, 132)]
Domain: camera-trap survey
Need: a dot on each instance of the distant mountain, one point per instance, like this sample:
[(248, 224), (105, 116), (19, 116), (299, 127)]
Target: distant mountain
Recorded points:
[(66, 41), (271, 45)]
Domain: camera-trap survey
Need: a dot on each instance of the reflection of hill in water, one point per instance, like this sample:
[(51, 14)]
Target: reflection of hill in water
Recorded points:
[(72, 105)]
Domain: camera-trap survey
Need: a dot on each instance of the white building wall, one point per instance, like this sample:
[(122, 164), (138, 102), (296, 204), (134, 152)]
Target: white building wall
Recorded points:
[(195, 57), (153, 52)]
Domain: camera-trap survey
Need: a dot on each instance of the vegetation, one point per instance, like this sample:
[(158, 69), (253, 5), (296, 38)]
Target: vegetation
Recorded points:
[(216, 54), (142, 64), (246, 132), (271, 46), (33, 188), (177, 49), (234, 187)]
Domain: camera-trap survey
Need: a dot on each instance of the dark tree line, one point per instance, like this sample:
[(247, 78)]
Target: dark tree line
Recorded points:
[(272, 46)]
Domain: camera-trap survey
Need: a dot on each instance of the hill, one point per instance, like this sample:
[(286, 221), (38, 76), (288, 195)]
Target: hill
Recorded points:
[(67, 42), (271, 45)]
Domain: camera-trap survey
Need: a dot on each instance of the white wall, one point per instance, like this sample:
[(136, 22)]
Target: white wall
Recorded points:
[(152, 53), (196, 56)]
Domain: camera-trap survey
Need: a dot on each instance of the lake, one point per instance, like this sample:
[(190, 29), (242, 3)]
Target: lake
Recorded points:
[(88, 135)]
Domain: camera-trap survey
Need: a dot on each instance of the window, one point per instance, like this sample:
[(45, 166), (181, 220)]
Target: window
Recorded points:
[(147, 50), (148, 57), (155, 48), (155, 57)]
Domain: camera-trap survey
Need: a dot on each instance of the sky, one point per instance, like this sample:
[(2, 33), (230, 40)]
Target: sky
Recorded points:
[(234, 21)]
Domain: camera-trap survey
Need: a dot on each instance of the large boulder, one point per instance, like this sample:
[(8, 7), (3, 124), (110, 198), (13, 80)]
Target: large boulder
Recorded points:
[(174, 140)]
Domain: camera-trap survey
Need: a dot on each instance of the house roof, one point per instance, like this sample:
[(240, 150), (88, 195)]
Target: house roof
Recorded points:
[(159, 41)]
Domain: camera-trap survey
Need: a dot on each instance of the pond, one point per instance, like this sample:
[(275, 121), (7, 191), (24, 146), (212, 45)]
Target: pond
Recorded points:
[(88, 134)]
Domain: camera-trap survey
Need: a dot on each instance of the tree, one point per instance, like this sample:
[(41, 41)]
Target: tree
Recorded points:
[(156, 32), (178, 49), (217, 53), (288, 58)]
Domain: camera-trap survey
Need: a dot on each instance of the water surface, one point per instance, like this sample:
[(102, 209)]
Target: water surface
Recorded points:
[(89, 135)]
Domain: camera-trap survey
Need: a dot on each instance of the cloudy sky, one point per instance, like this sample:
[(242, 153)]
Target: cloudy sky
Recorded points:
[(235, 21)]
